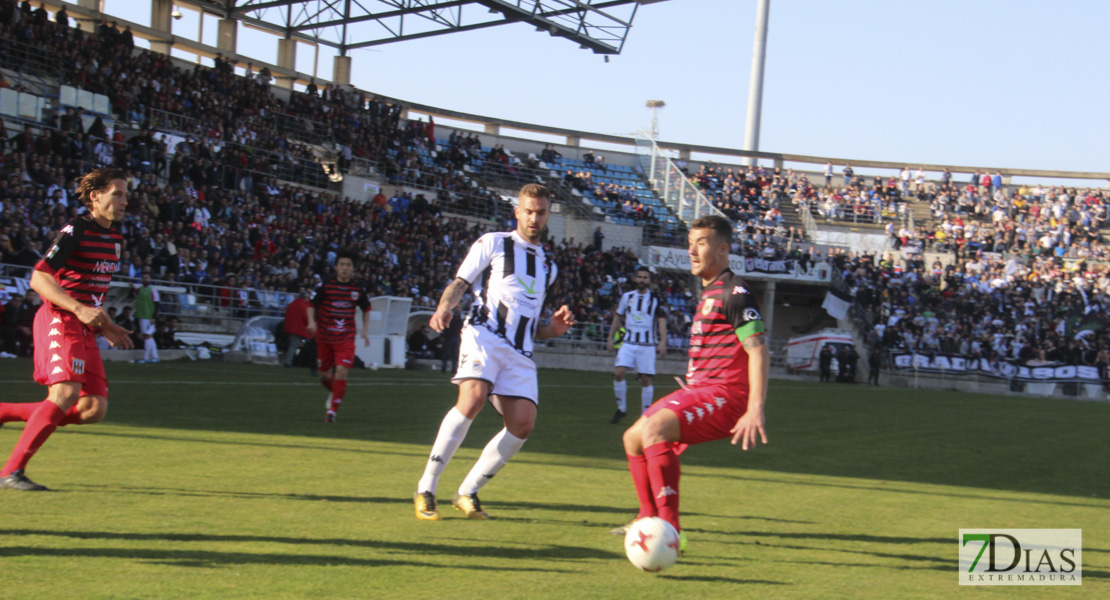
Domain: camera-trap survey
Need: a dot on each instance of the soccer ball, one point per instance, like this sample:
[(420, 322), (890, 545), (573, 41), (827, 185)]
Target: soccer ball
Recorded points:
[(651, 544)]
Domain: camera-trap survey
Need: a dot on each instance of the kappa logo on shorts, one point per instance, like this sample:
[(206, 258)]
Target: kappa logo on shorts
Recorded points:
[(720, 401), (701, 413), (689, 416), (56, 371), (709, 407), (54, 344), (56, 321), (54, 332), (78, 366), (56, 358)]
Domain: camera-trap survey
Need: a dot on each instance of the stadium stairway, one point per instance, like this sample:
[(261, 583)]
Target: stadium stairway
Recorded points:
[(790, 215)]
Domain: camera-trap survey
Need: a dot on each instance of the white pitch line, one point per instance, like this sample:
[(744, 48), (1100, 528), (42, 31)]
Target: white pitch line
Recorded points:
[(350, 382)]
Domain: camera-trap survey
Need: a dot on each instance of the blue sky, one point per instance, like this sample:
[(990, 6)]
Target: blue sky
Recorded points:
[(1017, 83)]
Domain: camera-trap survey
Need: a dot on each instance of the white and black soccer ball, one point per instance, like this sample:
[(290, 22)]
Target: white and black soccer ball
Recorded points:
[(651, 544)]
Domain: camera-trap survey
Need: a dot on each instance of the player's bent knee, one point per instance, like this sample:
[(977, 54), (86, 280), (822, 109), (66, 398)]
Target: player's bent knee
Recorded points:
[(520, 429), (92, 409), (660, 427), (64, 394), (470, 405), (632, 439)]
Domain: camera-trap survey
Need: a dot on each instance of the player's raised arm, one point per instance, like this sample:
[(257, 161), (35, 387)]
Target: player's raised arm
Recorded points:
[(451, 297), (561, 322)]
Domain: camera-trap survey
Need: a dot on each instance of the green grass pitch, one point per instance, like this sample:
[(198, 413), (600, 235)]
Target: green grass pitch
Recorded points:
[(215, 480)]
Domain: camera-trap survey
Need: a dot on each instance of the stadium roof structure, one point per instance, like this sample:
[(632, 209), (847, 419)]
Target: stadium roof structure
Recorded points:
[(598, 25)]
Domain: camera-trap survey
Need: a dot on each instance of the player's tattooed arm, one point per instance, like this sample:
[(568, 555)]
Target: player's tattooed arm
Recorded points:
[(447, 303), (454, 293), (754, 342)]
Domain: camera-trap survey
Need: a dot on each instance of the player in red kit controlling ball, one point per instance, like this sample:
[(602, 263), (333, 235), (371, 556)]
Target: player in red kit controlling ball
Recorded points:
[(72, 280), (726, 379), (331, 317)]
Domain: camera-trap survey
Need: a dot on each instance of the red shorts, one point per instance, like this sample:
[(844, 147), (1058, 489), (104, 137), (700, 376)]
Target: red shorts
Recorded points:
[(329, 355), (65, 350), (704, 413)]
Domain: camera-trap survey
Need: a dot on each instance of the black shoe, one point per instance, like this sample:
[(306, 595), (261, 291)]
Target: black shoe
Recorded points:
[(18, 481), (617, 416)]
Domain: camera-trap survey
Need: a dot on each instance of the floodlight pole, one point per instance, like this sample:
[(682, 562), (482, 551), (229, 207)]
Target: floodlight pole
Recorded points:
[(755, 86), (654, 105)]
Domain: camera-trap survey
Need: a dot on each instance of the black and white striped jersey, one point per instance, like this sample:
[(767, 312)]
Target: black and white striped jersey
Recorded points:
[(640, 312), (510, 278)]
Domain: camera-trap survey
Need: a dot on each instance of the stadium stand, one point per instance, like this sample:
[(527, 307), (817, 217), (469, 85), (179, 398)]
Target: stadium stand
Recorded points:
[(232, 211), (238, 215)]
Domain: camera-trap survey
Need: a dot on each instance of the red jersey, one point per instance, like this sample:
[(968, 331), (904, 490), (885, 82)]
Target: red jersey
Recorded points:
[(296, 318), (83, 259), (727, 315), (335, 310)]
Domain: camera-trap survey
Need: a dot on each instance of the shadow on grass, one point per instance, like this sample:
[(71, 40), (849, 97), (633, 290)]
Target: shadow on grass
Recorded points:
[(841, 537), (212, 560), (148, 491), (720, 579), (520, 551), (975, 441)]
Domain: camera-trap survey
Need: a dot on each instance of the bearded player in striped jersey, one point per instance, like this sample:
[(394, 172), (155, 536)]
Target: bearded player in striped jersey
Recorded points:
[(72, 280), (726, 379), (644, 320), (511, 275), (331, 318)]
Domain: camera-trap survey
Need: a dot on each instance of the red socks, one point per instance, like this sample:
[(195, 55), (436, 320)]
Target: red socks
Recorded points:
[(338, 388), (73, 416), (637, 465), (664, 471), (17, 411), (22, 411), (40, 425)]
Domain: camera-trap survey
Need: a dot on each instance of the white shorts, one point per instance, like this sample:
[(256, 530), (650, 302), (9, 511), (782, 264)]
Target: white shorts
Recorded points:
[(638, 358), (483, 355)]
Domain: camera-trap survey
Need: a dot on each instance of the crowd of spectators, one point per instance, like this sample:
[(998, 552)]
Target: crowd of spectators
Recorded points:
[(999, 307), (1025, 279), (751, 198), (1029, 220), (239, 235)]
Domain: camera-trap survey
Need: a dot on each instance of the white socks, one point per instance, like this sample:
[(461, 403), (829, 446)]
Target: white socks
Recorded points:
[(498, 451), (620, 390), (150, 349), (451, 434)]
